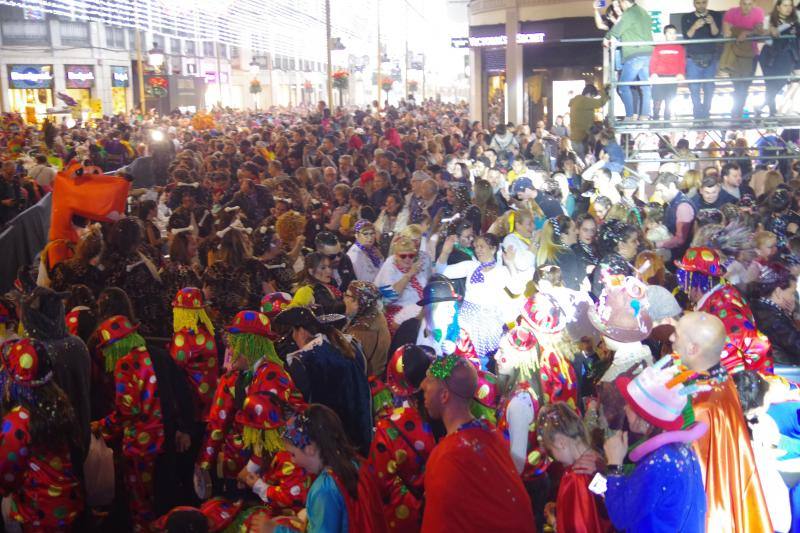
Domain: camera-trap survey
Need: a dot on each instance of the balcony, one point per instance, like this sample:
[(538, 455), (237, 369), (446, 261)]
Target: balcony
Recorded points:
[(25, 33), (75, 33)]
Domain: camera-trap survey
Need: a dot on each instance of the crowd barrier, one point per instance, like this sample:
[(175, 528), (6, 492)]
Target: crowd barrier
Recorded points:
[(22, 240)]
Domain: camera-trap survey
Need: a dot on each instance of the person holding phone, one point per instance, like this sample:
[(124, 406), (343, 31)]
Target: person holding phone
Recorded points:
[(401, 279), (702, 59), (635, 25)]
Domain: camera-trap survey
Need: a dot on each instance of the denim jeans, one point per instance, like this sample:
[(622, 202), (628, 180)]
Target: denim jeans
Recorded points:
[(636, 69), (701, 102)]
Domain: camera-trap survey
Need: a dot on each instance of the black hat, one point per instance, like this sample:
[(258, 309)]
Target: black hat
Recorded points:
[(333, 319), (416, 360), (297, 317), (438, 289)]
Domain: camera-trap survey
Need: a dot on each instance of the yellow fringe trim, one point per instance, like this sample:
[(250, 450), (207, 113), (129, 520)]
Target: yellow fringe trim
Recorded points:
[(261, 440), (188, 318)]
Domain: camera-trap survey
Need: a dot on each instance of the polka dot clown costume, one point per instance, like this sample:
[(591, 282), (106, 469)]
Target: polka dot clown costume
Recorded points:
[(193, 346), (37, 477), (402, 443), (746, 347), (137, 416), (271, 399), (247, 410), (545, 319), (517, 358), (219, 512), (484, 402)]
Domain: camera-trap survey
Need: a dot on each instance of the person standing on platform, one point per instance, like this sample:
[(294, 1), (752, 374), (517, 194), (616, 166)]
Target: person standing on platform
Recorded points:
[(668, 62), (634, 25), (702, 59), (739, 58)]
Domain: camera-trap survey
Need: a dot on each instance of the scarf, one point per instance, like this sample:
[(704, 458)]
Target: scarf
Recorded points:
[(526, 240), (337, 294), (477, 276), (465, 250), (414, 282), (589, 251), (373, 254)]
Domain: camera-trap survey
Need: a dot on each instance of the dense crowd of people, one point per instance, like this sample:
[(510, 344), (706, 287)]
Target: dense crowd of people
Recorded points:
[(398, 320)]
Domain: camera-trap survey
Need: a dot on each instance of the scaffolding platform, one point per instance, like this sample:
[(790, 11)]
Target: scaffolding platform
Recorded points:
[(716, 126)]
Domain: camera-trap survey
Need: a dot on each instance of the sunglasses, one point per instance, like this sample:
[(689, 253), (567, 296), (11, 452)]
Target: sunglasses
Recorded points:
[(407, 256), (333, 257)]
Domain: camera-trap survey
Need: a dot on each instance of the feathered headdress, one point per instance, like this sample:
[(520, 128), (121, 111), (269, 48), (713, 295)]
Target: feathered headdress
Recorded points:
[(730, 240)]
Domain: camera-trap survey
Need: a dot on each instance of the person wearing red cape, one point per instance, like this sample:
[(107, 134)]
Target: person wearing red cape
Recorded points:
[(471, 484)]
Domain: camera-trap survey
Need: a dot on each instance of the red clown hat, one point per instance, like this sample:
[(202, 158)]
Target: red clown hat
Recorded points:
[(115, 329), (189, 298)]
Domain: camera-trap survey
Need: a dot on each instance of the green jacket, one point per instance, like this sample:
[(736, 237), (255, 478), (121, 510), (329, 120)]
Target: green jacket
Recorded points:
[(634, 25), (581, 114)]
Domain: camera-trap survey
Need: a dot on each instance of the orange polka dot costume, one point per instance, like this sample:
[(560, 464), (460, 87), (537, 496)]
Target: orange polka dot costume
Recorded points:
[(746, 347), (137, 417), (40, 481), (193, 347)]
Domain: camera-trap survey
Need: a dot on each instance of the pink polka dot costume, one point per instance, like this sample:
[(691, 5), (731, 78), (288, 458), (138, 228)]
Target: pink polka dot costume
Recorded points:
[(137, 417), (44, 491), (193, 347)]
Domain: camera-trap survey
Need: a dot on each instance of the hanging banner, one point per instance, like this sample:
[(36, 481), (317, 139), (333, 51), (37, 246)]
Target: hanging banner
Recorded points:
[(79, 76), (119, 77), (30, 76)]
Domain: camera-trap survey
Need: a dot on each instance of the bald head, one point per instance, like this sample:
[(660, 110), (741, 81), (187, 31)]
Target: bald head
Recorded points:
[(699, 339), (448, 398)]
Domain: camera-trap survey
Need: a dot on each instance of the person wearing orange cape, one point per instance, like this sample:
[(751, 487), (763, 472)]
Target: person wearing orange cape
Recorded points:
[(734, 496)]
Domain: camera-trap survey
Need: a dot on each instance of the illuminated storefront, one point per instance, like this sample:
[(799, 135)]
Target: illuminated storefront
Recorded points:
[(120, 81), (79, 83), (30, 90), (548, 63)]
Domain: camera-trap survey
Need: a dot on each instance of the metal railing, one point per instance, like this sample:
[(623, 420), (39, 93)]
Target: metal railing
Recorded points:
[(694, 123)]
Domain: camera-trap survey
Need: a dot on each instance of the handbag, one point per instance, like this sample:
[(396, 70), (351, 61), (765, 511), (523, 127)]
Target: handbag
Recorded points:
[(98, 473)]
